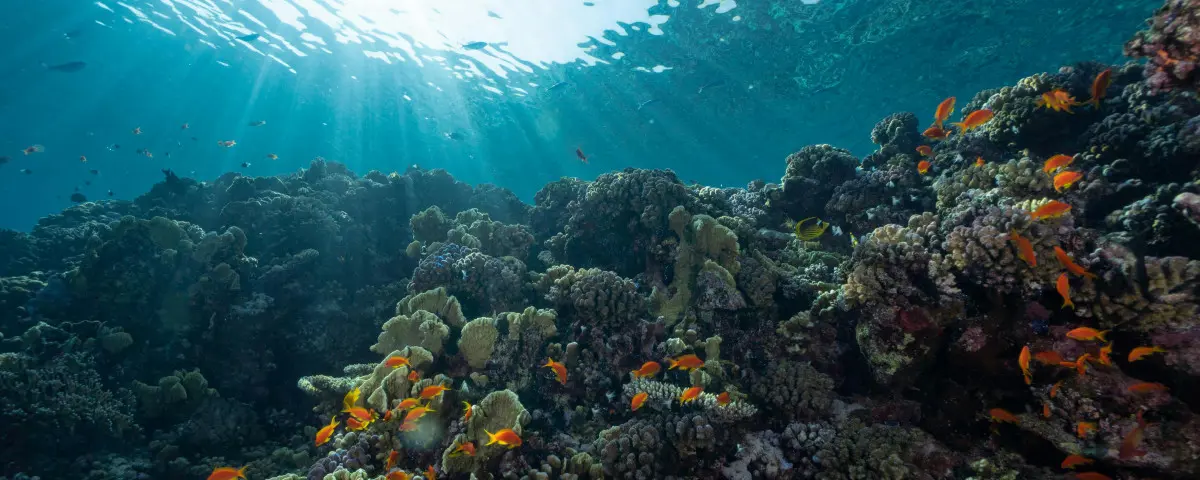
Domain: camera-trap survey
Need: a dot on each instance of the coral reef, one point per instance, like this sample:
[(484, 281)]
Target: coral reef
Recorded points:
[(326, 325)]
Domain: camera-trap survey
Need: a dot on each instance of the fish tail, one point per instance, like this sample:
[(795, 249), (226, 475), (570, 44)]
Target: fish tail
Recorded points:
[(1068, 303), (1101, 334)]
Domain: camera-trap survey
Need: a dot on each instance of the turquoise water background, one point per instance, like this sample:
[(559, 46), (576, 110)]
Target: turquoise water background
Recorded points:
[(382, 87)]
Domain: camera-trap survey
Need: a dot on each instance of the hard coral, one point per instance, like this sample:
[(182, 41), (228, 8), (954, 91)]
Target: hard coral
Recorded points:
[(1172, 46), (811, 175)]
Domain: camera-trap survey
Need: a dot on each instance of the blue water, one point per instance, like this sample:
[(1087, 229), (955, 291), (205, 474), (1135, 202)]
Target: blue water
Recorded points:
[(380, 87)]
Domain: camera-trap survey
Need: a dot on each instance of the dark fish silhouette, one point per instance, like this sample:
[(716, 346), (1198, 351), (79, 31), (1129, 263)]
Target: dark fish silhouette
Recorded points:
[(713, 84), (68, 67), (4, 160), (494, 15), (589, 4), (475, 45), (249, 38), (27, 171), (110, 193), (78, 197)]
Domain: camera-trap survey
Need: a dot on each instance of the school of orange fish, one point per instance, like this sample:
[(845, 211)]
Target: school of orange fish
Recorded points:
[(1060, 101), (411, 410)]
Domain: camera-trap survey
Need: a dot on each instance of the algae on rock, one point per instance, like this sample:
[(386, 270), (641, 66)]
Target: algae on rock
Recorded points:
[(704, 247)]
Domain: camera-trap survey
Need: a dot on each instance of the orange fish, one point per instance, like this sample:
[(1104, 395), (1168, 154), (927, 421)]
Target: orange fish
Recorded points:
[(466, 411), (408, 403), (935, 133), (1054, 388), (1085, 334), (467, 449), (1064, 288), (723, 399), (414, 376), (361, 414), (408, 425), (1141, 352), (82, 159), (1147, 387), (1092, 476), (1064, 180), (559, 369), (397, 475), (325, 432), (923, 167), (1023, 361), (356, 424), (1129, 445), (1048, 357), (1024, 248), (1058, 100), (690, 394), (1051, 209), (638, 400), (943, 111), (978, 161), (397, 362), (507, 438), (432, 391), (648, 370), (1081, 363), (974, 120), (416, 413), (1046, 410), (1105, 354), (387, 416), (1099, 86), (686, 362), (1002, 415), (227, 473), (1073, 461), (430, 474), (34, 149), (137, 130), (1082, 428), (1069, 264), (391, 460), (1056, 162), (925, 150)]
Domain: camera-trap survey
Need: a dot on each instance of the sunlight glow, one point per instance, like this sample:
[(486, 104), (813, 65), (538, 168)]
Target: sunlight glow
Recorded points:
[(489, 37)]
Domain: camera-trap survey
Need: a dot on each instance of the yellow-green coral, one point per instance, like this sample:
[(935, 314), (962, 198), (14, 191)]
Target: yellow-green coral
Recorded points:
[(497, 411), (385, 384), (421, 328), (477, 341), (704, 245)]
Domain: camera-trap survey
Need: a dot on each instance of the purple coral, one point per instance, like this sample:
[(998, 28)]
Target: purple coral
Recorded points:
[(1172, 46)]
